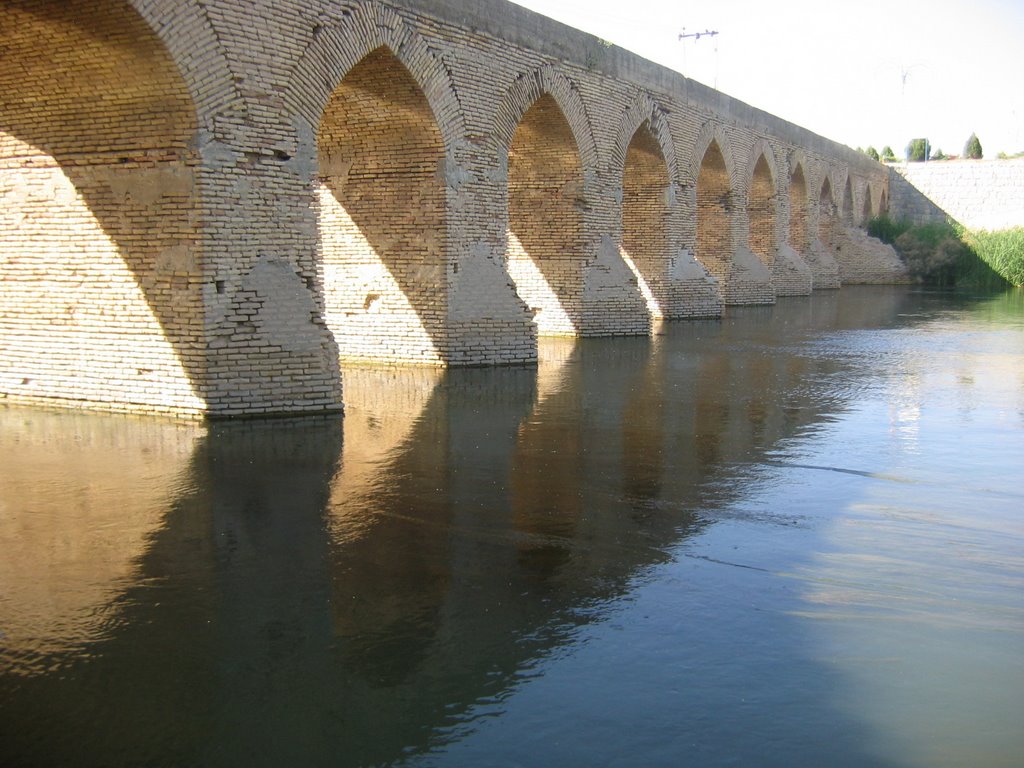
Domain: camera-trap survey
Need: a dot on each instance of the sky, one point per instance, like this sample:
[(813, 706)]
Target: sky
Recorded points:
[(870, 73)]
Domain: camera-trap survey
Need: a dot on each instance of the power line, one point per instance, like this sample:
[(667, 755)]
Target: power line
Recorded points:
[(697, 35)]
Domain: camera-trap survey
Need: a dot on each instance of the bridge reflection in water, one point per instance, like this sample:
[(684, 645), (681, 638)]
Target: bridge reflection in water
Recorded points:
[(367, 589)]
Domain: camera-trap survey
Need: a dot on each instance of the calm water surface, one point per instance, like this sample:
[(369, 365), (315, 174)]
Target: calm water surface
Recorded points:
[(793, 537)]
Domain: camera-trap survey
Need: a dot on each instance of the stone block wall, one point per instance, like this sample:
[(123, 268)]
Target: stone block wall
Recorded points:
[(980, 194), (207, 205)]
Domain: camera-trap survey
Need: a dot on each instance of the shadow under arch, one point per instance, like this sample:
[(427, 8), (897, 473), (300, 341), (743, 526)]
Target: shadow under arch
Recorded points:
[(382, 213), (542, 125), (102, 294), (826, 212), (866, 211), (715, 207), (646, 191), (762, 205), (846, 211), (651, 236), (373, 35), (799, 232)]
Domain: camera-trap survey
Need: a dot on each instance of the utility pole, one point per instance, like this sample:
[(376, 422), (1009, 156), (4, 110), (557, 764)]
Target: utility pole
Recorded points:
[(696, 36)]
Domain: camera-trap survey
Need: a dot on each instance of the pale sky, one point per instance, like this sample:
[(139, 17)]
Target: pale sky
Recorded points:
[(874, 72)]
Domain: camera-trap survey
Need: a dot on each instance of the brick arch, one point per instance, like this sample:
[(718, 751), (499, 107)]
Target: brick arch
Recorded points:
[(846, 206), (184, 27), (119, 314), (867, 205), (762, 195), (544, 140), (761, 148), (382, 215), (526, 91), (343, 43), (798, 188), (649, 233), (826, 209), (713, 173), (712, 131), (645, 110)]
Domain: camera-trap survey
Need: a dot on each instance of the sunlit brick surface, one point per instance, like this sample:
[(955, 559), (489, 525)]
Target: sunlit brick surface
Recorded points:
[(545, 196), (645, 215), (382, 216), (206, 206)]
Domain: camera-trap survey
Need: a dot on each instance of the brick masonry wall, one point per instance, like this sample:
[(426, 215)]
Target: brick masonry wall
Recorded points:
[(980, 194), (100, 298), (324, 180)]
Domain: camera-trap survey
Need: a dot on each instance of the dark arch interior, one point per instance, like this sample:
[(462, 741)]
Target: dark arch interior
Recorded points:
[(714, 206), (826, 213), (798, 211), (761, 210)]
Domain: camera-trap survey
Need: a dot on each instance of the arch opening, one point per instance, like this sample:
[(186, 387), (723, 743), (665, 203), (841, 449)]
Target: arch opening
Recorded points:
[(847, 209), (866, 210), (762, 212), (798, 210), (714, 214), (826, 214), (545, 218), (381, 211), (645, 214), (101, 302)]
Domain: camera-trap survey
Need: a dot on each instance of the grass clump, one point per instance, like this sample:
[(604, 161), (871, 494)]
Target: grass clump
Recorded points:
[(1002, 250)]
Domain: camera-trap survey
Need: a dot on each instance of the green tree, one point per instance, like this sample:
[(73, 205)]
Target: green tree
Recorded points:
[(972, 149), (888, 156), (917, 150), (938, 154), (872, 153)]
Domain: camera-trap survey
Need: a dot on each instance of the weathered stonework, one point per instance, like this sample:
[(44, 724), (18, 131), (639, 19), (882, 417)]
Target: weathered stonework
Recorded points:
[(208, 206), (981, 194)]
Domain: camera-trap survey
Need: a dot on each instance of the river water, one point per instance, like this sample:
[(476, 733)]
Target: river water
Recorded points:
[(792, 537)]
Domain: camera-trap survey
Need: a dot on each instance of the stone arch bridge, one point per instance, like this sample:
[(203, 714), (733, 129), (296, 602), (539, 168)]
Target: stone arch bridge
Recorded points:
[(208, 206)]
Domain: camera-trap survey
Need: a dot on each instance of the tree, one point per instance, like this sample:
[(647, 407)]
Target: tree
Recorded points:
[(918, 150), (938, 154), (872, 153), (972, 149), (888, 156)]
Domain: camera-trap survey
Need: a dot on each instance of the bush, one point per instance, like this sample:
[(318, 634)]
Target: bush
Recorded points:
[(888, 156), (943, 254), (972, 149), (887, 230), (872, 153), (930, 251), (938, 154)]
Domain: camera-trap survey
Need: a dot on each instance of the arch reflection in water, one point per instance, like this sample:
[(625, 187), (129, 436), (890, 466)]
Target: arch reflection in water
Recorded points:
[(80, 499), (366, 590)]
